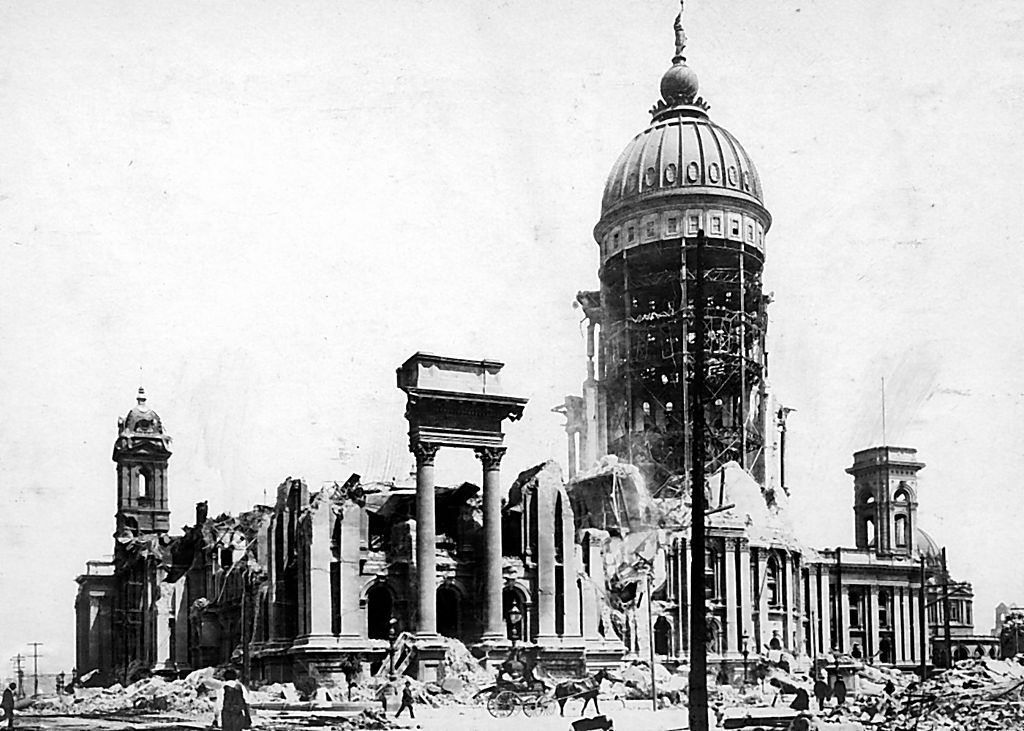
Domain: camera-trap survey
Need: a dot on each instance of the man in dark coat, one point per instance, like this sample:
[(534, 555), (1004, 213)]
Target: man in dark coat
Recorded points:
[(821, 692), (8, 704), (406, 700), (839, 691)]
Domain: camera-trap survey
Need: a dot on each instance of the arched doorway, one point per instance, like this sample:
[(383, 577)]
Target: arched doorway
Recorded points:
[(447, 611), (378, 611), (663, 637)]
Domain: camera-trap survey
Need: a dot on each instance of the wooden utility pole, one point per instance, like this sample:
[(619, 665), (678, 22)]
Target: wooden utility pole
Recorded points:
[(35, 667), (20, 673), (698, 685)]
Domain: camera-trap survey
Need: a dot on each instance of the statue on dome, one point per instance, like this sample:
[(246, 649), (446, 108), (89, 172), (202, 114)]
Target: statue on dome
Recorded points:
[(680, 33)]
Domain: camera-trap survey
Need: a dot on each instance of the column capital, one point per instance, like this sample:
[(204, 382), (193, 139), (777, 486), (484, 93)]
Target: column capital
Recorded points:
[(424, 452), (490, 457)]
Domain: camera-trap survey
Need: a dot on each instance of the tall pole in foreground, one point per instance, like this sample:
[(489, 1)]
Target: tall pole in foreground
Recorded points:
[(945, 610), (698, 689), (921, 620), (245, 635), (35, 667), (650, 638)]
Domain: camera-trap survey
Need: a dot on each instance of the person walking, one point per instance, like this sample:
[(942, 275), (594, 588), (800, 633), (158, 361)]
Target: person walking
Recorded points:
[(821, 692), (407, 700), (8, 704), (234, 708), (839, 691)]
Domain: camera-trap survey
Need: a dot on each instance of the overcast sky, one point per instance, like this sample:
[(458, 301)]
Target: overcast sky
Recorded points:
[(259, 209)]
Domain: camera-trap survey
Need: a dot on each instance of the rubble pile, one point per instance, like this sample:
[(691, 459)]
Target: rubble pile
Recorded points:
[(190, 696), (978, 694), (637, 679)]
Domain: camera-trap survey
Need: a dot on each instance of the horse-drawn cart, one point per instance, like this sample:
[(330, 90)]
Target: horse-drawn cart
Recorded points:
[(506, 699)]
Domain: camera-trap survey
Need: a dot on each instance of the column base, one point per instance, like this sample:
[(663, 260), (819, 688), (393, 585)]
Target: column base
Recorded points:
[(428, 662)]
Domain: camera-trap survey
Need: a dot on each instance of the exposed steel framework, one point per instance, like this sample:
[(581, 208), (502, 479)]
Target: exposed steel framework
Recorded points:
[(647, 343)]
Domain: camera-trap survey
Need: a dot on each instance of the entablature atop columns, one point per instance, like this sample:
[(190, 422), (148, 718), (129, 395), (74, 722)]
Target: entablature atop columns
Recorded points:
[(454, 402)]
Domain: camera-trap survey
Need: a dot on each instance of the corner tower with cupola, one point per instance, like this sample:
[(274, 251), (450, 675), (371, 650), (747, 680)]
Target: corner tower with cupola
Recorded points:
[(141, 452), (885, 499)]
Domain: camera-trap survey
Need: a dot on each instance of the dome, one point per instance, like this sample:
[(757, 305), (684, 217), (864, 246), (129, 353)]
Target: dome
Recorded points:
[(682, 151), (142, 419), (926, 545)]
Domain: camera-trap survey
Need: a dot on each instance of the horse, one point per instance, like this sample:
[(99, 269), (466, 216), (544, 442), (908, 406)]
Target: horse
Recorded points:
[(587, 689)]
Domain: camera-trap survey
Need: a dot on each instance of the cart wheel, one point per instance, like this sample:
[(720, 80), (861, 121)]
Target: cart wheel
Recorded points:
[(542, 705), (504, 704)]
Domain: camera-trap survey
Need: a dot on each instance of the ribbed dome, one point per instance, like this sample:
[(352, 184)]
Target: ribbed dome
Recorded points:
[(926, 545), (682, 150)]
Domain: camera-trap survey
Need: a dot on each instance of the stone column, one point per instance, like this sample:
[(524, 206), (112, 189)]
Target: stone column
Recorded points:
[(764, 634), (493, 580), (353, 618), (903, 629), (844, 618), (570, 570), (571, 434), (591, 547), (730, 629), (786, 591), (181, 624), (798, 605), (824, 628), (164, 611), (426, 540), (318, 599), (874, 619), (545, 565), (813, 615), (746, 597)]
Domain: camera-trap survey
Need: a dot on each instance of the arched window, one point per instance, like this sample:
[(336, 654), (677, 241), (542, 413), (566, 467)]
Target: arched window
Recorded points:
[(772, 582), (143, 485), (662, 637), (869, 529), (901, 496), (447, 611), (885, 610), (379, 608), (901, 531)]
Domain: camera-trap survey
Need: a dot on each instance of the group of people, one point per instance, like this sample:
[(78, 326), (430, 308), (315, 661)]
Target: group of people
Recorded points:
[(838, 690)]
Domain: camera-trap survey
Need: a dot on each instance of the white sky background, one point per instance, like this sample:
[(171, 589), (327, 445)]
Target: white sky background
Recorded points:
[(269, 206)]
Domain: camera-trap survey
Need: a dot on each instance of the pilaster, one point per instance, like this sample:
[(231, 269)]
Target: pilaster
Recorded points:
[(730, 638)]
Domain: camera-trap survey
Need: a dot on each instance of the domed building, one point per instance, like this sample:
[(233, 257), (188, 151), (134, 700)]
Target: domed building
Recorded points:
[(682, 175), (685, 178), (682, 178)]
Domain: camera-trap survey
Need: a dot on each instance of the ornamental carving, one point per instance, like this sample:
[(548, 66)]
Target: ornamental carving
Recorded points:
[(490, 457), (424, 453)]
